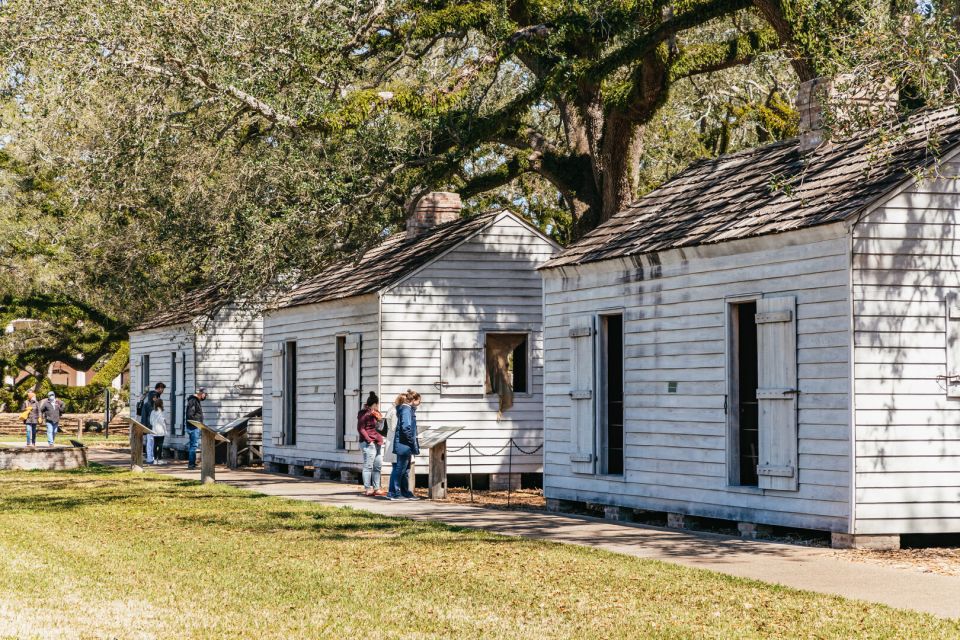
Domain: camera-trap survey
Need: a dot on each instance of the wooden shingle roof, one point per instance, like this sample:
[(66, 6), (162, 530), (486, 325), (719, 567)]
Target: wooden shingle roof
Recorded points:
[(199, 302), (770, 189), (387, 263)]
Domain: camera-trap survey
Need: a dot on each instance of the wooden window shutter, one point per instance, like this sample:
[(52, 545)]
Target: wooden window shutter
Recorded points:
[(181, 397), (953, 347), (277, 426), (777, 393), (462, 365), (144, 374), (351, 378), (582, 425)]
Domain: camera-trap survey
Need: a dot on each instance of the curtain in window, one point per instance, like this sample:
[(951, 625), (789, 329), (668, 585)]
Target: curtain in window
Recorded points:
[(499, 349)]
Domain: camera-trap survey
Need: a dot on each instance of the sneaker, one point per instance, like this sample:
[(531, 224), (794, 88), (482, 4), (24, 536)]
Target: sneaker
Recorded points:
[(392, 497), (411, 497), (191, 468)]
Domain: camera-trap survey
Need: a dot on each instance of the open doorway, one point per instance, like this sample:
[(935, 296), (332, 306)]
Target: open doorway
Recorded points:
[(611, 396), (290, 392), (339, 397), (743, 382)]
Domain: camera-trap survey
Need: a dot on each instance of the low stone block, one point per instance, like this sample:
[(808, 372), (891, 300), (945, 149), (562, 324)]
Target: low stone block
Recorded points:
[(620, 514), (753, 530), (557, 505), (41, 458), (860, 541), (504, 481), (273, 467), (676, 521), (296, 470)]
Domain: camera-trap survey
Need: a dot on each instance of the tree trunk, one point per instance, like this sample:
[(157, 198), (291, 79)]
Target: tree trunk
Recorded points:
[(619, 149)]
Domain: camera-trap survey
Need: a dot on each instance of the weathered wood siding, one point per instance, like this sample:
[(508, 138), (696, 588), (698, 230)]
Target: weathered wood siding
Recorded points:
[(315, 329), (906, 265), (674, 307), (229, 363), (160, 344), (487, 284), (214, 352)]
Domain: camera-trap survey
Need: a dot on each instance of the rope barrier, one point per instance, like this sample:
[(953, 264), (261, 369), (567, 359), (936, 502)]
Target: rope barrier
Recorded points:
[(509, 447)]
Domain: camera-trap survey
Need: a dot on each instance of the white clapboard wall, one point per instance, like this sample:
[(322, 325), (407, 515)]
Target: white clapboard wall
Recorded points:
[(222, 353), (674, 309), (906, 284), (315, 328), (171, 354), (434, 326)]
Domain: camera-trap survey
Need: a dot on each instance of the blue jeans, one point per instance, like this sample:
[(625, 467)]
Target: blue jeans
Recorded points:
[(51, 431), (372, 464), (194, 434), (148, 442), (399, 477), (31, 433)]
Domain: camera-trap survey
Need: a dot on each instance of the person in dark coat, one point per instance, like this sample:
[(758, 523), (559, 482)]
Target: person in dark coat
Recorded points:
[(149, 402), (194, 412), (51, 411), (371, 444), (405, 446)]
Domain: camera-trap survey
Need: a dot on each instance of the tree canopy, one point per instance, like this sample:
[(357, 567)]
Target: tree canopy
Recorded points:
[(154, 147)]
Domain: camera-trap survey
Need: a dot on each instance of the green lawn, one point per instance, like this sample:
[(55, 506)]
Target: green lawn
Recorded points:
[(105, 553)]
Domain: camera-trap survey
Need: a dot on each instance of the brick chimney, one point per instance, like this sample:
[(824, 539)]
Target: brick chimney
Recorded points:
[(852, 107), (433, 209)]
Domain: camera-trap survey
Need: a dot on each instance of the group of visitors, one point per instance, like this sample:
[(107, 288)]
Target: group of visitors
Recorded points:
[(398, 429), (150, 412), (47, 412)]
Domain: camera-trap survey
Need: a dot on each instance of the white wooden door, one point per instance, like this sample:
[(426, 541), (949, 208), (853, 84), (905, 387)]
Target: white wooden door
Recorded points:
[(277, 426), (462, 365), (777, 393), (582, 407)]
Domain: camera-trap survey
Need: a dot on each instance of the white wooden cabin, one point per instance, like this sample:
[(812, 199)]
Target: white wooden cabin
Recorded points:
[(424, 309), (201, 343), (772, 337)]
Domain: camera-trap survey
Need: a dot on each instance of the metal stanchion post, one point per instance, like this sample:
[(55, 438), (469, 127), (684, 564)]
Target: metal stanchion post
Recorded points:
[(470, 463), (509, 471)]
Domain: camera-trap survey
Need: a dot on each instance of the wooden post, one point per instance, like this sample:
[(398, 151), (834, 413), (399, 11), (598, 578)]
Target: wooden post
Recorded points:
[(233, 451), (136, 451), (137, 431), (208, 451), (208, 456), (437, 483)]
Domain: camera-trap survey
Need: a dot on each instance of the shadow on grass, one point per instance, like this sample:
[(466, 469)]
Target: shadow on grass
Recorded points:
[(326, 523)]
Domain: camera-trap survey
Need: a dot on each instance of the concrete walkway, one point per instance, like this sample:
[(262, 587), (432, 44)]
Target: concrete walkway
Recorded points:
[(814, 569)]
